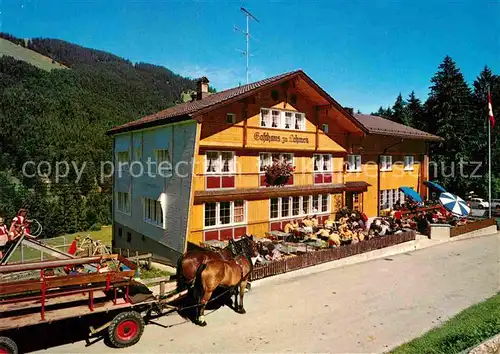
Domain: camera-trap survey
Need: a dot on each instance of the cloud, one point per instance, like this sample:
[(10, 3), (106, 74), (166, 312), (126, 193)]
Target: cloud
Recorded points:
[(221, 78)]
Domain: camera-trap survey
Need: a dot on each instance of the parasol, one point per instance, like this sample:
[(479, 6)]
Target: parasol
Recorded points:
[(453, 203), (412, 194), (435, 187)]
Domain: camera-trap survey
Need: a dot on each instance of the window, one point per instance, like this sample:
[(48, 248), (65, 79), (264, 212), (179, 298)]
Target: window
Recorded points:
[(210, 214), (120, 232), (279, 119), (295, 206), (315, 204), (123, 202), (123, 159), (267, 159), (288, 207), (299, 121), (239, 211), (322, 163), (224, 213), (389, 198), (265, 118), (163, 162), (129, 237), (353, 163), (324, 202), (153, 213), (219, 162), (275, 119), (409, 161), (324, 127), (275, 208), (231, 118), (385, 163), (288, 120)]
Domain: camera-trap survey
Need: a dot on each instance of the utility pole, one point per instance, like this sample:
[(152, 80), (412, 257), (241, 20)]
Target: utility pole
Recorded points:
[(246, 52)]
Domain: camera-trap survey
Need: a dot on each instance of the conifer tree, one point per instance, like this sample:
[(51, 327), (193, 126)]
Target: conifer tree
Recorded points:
[(414, 114), (450, 111), (398, 110)]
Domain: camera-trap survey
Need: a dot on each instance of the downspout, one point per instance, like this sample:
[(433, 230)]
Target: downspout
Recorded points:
[(378, 172)]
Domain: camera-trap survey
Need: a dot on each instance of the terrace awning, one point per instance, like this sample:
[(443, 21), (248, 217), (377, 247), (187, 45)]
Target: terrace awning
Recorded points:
[(434, 187)]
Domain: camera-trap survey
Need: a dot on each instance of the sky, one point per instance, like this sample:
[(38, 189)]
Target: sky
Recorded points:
[(363, 53)]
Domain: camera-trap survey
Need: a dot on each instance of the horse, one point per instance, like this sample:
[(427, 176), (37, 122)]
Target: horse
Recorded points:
[(231, 274), (190, 261)]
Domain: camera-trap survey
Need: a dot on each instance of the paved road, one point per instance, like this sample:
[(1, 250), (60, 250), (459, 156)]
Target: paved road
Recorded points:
[(363, 308)]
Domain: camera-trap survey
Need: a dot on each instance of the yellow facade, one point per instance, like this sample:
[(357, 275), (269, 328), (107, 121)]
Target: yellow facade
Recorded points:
[(247, 139)]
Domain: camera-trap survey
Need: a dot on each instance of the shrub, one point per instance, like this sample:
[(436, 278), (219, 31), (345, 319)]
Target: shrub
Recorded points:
[(96, 227)]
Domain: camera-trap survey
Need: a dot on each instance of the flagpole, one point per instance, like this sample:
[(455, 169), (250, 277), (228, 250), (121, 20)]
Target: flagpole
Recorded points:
[(489, 162)]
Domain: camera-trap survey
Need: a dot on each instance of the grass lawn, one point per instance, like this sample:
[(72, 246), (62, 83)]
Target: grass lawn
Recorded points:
[(8, 48), (62, 243), (467, 329), (153, 273)]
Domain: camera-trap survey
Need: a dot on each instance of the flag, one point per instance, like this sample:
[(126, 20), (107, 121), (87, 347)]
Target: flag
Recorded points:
[(490, 112)]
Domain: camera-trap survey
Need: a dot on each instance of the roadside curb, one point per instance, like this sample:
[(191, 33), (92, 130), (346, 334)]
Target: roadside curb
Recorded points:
[(421, 242), (489, 346)]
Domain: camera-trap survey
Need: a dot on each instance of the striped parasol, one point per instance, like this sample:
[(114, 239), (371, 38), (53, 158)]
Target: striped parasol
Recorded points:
[(453, 203)]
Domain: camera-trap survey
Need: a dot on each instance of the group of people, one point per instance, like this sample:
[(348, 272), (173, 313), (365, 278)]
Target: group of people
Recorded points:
[(18, 227), (350, 227)]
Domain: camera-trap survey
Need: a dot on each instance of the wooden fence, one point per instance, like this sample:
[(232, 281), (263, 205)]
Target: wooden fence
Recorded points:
[(327, 255), (471, 226)]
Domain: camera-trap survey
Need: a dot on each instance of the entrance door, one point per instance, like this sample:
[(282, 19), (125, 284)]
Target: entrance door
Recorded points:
[(353, 201)]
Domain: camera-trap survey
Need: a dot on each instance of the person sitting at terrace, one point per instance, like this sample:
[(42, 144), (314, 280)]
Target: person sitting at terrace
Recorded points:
[(308, 224), (315, 221), (290, 227), (328, 224), (323, 234)]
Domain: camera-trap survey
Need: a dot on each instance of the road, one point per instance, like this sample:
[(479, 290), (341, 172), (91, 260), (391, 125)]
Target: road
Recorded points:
[(363, 308)]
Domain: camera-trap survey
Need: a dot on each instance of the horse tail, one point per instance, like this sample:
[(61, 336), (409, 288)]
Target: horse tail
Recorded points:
[(179, 276), (198, 284)]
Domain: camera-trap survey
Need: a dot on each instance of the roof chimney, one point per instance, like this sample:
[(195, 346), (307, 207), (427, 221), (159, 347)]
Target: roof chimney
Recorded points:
[(202, 88)]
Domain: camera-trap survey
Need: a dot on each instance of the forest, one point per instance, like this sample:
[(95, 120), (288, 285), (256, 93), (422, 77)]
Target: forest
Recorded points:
[(63, 114)]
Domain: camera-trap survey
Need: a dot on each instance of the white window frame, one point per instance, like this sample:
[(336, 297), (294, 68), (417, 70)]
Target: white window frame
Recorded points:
[(353, 163), (385, 163), (159, 158), (409, 162), (267, 120), (232, 117), (232, 165), (270, 161), (322, 163), (158, 217), (218, 224), (123, 203), (389, 197), (324, 127), (121, 166), (301, 206)]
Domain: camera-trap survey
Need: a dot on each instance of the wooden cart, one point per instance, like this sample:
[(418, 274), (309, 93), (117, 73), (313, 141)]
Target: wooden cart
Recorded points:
[(108, 291)]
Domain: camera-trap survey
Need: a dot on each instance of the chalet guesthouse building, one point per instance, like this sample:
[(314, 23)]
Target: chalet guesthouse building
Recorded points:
[(218, 145)]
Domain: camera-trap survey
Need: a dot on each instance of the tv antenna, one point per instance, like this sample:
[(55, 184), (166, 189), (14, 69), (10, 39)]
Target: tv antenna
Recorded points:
[(246, 52)]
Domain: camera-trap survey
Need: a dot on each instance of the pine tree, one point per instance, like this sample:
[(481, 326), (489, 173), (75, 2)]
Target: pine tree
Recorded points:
[(450, 107), (383, 112), (414, 113), (398, 110)]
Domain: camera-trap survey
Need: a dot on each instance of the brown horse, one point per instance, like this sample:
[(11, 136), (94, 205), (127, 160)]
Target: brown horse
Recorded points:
[(188, 263), (232, 274)]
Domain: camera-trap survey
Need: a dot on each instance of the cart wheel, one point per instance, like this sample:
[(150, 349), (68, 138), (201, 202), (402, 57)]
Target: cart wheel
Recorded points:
[(7, 346), (126, 329)]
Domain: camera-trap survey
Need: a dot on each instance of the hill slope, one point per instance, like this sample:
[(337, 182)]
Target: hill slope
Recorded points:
[(62, 115), (29, 56)]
